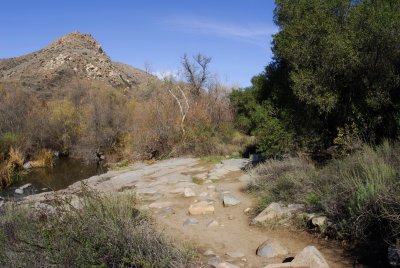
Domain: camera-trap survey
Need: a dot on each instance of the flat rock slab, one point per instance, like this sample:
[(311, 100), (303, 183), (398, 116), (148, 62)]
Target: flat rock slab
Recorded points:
[(201, 208)]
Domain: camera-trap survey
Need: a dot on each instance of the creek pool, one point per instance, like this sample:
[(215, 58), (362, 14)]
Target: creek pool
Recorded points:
[(65, 172)]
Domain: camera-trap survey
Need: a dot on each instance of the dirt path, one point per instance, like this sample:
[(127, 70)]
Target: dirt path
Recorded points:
[(168, 188)]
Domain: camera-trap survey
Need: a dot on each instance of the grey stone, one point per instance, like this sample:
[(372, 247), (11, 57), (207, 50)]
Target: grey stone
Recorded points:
[(271, 248), (212, 223), (27, 165), (190, 221), (230, 200), (214, 261)]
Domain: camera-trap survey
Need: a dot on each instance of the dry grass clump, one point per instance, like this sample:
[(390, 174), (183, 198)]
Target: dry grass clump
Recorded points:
[(44, 158), (10, 168), (104, 232)]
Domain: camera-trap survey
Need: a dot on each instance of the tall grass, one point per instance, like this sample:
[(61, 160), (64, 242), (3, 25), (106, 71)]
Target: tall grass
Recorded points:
[(11, 167), (104, 232)]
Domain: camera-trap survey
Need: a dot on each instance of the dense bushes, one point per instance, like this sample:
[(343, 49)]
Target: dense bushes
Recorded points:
[(88, 117), (335, 68), (105, 232), (359, 194)]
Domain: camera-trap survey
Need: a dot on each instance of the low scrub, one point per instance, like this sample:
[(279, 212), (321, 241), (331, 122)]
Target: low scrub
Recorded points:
[(104, 232), (360, 194)]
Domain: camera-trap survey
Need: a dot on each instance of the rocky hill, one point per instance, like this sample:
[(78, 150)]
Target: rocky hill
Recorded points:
[(73, 56)]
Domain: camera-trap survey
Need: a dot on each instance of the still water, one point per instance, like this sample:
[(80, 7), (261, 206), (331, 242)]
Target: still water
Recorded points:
[(65, 172)]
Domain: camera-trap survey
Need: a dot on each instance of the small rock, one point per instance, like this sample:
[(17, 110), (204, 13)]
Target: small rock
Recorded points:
[(247, 210), (271, 248), (311, 257), (212, 223), (203, 194), (231, 217), (319, 221), (230, 200), (188, 192), (190, 221), (27, 165), (210, 187), (214, 261), (235, 254), (209, 252), (200, 208), (19, 191)]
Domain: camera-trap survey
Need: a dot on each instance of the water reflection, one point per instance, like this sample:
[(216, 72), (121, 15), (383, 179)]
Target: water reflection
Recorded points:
[(64, 173)]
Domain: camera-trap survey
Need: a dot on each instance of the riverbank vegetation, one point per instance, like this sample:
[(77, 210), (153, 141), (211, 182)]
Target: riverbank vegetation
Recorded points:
[(104, 231), (162, 118)]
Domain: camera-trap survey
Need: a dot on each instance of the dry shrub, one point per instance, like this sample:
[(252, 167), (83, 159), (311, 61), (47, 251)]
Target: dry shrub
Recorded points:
[(106, 231), (10, 168), (287, 180), (44, 158)]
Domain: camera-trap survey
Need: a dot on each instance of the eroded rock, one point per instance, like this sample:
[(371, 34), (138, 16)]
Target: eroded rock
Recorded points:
[(230, 200)]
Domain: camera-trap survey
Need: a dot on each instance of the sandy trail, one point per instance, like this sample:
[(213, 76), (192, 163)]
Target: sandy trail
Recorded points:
[(161, 189)]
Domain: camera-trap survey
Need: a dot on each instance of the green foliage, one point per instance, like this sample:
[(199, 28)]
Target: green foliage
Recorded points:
[(335, 67), (7, 140), (105, 232)]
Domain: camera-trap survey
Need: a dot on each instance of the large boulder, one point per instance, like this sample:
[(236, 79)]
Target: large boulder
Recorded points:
[(201, 208), (271, 248), (312, 257), (276, 212), (309, 257)]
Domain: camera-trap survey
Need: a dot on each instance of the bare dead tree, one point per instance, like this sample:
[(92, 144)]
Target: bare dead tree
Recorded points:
[(182, 102), (196, 72)]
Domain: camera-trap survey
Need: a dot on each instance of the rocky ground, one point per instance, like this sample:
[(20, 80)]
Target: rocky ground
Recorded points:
[(202, 204)]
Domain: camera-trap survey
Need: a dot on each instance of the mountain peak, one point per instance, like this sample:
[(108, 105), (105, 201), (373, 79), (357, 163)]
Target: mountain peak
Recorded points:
[(77, 40)]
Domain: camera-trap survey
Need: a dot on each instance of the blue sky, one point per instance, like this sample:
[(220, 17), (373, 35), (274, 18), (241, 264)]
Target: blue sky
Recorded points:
[(236, 33)]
